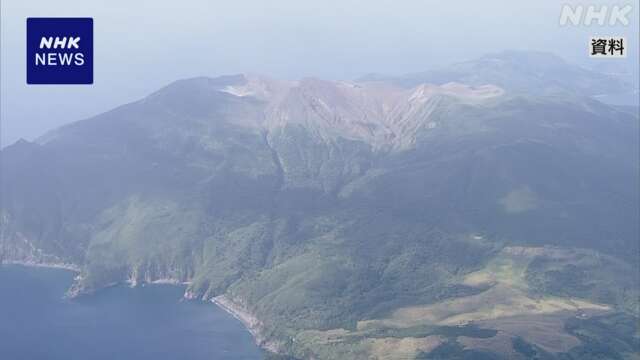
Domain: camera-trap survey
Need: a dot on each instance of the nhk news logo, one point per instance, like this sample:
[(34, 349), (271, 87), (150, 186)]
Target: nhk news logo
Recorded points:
[(59, 51)]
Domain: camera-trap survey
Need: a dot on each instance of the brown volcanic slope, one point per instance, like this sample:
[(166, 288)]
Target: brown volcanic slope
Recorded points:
[(383, 115)]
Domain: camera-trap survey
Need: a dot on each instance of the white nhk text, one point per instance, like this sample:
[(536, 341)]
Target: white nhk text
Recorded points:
[(59, 58)]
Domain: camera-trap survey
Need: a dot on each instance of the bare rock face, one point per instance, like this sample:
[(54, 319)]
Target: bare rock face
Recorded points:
[(384, 116)]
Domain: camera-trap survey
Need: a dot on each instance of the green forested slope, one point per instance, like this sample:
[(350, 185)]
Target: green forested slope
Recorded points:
[(342, 248)]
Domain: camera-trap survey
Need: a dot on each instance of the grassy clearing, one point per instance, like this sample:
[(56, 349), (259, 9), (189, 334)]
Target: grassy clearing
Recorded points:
[(509, 304)]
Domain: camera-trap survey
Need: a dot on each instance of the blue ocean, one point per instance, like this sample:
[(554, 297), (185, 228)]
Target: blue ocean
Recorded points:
[(149, 322)]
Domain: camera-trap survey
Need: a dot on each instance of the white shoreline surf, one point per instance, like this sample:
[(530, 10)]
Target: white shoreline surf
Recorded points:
[(249, 321), (63, 266)]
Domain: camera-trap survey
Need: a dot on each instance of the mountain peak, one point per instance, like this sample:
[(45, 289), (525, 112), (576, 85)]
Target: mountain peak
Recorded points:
[(381, 114)]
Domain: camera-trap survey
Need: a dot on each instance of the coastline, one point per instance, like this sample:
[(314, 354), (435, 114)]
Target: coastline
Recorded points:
[(31, 293), (64, 266), (163, 281), (249, 320)]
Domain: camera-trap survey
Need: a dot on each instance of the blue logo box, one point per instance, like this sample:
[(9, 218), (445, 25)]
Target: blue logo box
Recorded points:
[(59, 51)]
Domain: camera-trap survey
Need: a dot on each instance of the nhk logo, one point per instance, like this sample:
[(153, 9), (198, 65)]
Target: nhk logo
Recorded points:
[(587, 15), (59, 51), (57, 58)]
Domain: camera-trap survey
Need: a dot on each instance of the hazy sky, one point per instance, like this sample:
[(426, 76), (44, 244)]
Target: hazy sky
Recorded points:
[(140, 46)]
